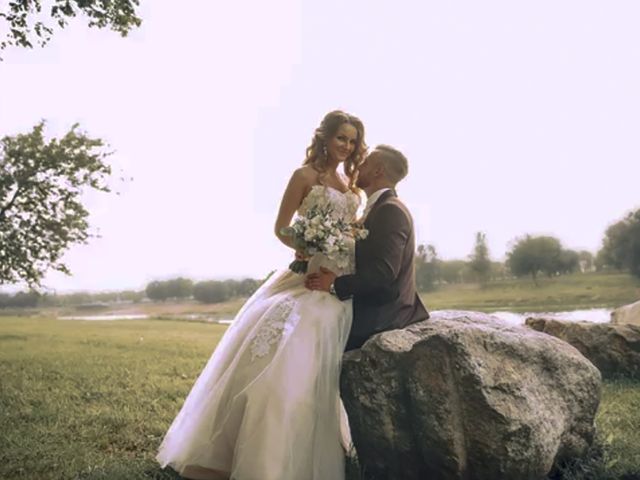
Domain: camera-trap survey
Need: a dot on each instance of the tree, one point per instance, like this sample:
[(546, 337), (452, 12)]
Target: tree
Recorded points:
[(621, 244), (601, 262), (427, 267), (247, 286), (567, 262), (453, 271), (174, 288), (26, 27), (499, 271), (179, 288), (28, 299), (586, 260), (5, 300), (41, 214), (532, 255), (211, 291), (480, 262), (77, 298), (232, 287), (157, 291)]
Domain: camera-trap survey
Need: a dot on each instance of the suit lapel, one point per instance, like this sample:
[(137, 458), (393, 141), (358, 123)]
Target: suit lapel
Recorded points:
[(389, 193)]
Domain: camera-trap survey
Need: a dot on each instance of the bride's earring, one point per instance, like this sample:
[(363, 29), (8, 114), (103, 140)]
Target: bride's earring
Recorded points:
[(324, 151)]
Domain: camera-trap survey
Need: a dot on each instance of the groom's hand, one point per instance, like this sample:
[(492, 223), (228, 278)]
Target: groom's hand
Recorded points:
[(321, 280)]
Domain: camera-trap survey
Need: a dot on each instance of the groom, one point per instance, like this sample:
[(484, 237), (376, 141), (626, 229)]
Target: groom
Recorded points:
[(383, 287)]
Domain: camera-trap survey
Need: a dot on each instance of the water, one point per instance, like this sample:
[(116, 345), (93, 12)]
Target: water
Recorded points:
[(112, 316), (596, 315), (115, 316)]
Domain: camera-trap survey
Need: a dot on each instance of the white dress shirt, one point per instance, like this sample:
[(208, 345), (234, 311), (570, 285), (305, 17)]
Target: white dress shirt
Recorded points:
[(371, 200)]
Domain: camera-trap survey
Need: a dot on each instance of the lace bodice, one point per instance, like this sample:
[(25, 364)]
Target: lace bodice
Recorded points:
[(345, 205)]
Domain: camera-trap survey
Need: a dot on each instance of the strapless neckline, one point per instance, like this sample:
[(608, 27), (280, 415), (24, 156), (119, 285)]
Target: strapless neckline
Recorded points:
[(331, 188)]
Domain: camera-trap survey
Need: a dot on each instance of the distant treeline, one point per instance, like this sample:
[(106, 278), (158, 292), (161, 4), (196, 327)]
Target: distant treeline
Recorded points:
[(211, 291), (36, 299), (533, 256), (529, 256)]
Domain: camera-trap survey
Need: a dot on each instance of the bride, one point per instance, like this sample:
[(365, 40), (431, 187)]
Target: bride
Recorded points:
[(267, 406)]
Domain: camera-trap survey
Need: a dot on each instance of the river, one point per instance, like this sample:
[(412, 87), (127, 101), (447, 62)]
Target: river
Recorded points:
[(596, 315)]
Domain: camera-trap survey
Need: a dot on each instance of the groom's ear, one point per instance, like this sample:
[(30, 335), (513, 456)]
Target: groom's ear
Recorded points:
[(380, 171)]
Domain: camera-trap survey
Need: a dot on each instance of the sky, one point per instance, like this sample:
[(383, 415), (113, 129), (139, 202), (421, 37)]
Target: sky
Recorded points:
[(516, 117)]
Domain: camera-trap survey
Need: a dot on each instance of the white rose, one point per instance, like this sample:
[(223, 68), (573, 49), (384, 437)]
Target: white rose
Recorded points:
[(309, 234), (331, 249)]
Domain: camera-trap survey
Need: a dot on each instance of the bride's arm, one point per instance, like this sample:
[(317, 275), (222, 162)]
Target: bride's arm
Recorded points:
[(298, 187)]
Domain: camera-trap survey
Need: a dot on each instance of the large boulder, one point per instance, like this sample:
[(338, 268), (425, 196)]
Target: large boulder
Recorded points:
[(614, 349), (468, 397), (627, 314)]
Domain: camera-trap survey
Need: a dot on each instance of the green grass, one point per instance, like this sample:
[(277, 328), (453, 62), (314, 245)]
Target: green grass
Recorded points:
[(619, 422), (616, 453), (567, 292), (92, 400)]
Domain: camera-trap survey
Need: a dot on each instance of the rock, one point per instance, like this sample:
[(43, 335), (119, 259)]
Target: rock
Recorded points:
[(627, 314), (614, 349), (468, 397)]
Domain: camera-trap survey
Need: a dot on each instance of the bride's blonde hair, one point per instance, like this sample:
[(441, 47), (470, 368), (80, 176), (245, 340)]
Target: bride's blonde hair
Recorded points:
[(317, 152)]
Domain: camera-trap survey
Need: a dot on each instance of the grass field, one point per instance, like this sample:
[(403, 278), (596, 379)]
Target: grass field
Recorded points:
[(169, 309), (92, 400), (567, 292)]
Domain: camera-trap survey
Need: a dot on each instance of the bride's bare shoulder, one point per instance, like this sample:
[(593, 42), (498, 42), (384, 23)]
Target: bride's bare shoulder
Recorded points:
[(305, 176)]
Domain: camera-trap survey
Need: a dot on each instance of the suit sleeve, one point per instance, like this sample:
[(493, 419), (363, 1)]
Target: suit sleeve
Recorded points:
[(386, 243)]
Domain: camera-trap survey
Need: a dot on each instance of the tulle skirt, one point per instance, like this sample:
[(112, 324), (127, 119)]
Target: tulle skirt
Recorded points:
[(267, 406)]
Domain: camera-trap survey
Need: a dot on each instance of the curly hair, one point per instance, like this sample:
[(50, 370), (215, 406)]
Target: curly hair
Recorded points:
[(316, 156)]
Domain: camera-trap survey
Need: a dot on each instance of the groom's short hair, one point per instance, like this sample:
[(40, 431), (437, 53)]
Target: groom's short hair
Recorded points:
[(394, 162)]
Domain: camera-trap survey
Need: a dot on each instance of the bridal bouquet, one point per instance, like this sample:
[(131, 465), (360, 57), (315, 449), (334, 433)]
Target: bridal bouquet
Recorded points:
[(318, 231)]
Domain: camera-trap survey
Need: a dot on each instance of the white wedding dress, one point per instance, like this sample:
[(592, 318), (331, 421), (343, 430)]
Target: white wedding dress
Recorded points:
[(267, 405)]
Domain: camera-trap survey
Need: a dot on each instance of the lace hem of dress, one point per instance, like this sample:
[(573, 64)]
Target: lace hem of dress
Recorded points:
[(273, 328)]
